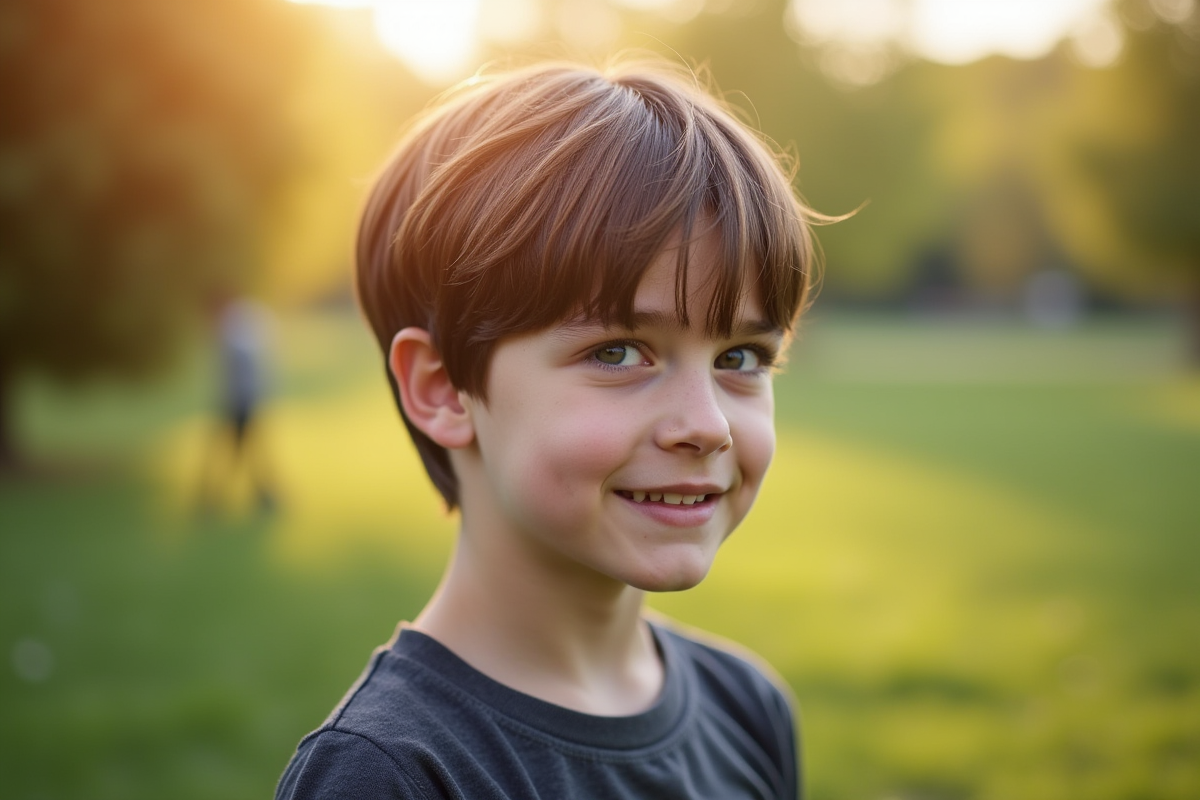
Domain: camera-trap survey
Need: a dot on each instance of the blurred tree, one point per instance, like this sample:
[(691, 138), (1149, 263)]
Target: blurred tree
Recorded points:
[(353, 98), (140, 143), (1124, 189), (989, 149), (1149, 181)]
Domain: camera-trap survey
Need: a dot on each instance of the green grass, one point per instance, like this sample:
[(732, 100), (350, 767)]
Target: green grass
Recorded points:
[(974, 562)]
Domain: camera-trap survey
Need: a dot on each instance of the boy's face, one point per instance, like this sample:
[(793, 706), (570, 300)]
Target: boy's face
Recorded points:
[(625, 453)]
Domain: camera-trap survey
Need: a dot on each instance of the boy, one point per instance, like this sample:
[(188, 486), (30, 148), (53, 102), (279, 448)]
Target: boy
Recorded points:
[(580, 281)]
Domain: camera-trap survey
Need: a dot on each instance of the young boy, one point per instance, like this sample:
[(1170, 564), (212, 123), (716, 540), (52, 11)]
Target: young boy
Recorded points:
[(580, 281)]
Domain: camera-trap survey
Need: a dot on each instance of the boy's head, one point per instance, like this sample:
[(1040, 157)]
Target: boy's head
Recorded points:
[(531, 197)]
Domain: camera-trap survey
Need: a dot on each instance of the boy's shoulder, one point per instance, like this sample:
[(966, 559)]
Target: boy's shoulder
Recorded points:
[(374, 741), (736, 679), (422, 723)]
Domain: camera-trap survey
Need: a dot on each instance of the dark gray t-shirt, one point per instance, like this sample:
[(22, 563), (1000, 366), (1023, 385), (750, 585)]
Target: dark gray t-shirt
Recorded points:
[(422, 723)]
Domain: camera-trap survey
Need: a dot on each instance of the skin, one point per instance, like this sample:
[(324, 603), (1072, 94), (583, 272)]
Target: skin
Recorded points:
[(545, 589)]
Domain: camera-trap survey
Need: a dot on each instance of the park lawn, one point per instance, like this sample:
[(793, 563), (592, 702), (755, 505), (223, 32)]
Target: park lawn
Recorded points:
[(974, 561)]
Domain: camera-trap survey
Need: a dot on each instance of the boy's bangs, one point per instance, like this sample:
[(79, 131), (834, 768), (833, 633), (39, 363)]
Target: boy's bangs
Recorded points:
[(671, 173)]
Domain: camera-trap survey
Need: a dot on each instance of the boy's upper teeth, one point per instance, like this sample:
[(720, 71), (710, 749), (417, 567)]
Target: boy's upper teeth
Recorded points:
[(668, 497)]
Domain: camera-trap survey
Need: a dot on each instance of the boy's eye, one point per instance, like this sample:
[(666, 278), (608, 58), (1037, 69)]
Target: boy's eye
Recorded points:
[(738, 358), (619, 355)]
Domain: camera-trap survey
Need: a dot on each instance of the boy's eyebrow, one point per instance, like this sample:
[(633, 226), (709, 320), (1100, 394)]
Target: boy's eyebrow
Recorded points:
[(669, 321)]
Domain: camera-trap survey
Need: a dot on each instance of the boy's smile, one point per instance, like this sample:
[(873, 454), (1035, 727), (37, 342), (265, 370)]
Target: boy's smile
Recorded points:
[(675, 508), (630, 453)]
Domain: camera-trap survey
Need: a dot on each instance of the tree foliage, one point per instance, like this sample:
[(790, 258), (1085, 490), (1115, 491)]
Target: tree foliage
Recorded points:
[(1150, 179), (140, 143), (1127, 186)]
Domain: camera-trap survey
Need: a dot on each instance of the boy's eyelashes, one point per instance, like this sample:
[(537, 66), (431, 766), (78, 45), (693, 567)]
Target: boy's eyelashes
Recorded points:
[(624, 353)]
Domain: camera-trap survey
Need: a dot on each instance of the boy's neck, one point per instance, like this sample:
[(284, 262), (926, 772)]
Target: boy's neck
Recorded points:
[(576, 640)]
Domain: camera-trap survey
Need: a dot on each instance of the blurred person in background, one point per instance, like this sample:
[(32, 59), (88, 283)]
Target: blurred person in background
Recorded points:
[(242, 330)]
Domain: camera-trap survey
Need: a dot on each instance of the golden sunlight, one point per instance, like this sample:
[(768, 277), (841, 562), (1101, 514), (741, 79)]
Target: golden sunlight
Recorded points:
[(436, 40), (859, 35)]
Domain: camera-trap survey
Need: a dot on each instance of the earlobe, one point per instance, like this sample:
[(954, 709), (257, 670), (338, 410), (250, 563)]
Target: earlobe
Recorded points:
[(431, 402)]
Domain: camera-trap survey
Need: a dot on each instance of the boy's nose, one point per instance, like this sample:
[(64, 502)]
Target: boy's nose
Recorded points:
[(692, 419)]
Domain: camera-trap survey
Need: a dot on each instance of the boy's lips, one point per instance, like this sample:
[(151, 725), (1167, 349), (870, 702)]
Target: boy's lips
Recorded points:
[(682, 506)]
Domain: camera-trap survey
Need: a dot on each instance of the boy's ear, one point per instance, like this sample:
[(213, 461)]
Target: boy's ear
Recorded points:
[(430, 400)]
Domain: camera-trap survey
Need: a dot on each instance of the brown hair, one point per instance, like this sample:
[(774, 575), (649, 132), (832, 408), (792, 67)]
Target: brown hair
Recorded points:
[(524, 198)]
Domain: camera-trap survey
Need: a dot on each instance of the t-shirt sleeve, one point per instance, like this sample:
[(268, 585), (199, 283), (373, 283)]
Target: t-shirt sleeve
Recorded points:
[(334, 764), (787, 733), (760, 703)]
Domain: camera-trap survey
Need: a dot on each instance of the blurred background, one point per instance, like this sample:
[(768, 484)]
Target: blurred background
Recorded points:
[(976, 557)]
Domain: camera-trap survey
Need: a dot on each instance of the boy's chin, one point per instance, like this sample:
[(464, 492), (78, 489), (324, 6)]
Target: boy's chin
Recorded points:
[(675, 586), (675, 580)]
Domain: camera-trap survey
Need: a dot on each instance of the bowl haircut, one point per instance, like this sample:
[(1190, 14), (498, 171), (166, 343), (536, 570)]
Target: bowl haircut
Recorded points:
[(525, 198)]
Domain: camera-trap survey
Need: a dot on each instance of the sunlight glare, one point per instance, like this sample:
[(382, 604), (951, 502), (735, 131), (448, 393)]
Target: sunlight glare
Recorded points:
[(1098, 41), (588, 25), (851, 21), (644, 5), (1173, 11), (677, 11), (437, 40), (960, 31), (335, 3), (510, 21)]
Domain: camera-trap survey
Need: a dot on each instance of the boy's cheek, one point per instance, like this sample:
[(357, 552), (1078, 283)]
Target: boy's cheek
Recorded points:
[(583, 451), (756, 448), (557, 486)]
